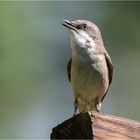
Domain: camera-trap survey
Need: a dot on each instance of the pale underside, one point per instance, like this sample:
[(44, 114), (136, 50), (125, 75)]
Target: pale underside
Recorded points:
[(89, 73), (89, 81)]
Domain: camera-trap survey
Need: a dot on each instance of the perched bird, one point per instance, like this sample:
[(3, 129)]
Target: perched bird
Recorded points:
[(90, 68)]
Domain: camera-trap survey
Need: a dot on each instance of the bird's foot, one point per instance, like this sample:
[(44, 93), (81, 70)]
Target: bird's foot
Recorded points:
[(92, 114)]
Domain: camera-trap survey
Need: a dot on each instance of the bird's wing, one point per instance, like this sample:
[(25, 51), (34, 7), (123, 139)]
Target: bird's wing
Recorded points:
[(110, 67), (69, 69), (110, 71)]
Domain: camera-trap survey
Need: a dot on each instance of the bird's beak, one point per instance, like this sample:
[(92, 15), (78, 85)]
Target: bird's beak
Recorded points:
[(69, 25)]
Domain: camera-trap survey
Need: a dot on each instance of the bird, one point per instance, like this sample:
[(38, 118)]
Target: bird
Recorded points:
[(90, 69)]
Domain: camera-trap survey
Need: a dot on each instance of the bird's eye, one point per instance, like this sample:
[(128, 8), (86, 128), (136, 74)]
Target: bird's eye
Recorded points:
[(84, 26)]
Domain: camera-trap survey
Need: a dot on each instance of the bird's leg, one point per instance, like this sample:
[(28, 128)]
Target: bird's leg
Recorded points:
[(96, 109), (75, 106)]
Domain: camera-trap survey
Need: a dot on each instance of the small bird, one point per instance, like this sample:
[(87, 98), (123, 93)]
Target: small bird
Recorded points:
[(90, 69)]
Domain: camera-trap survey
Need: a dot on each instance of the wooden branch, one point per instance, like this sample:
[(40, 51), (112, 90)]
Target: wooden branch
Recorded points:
[(97, 126)]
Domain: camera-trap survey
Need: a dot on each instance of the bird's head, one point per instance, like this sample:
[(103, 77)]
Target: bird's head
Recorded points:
[(84, 33)]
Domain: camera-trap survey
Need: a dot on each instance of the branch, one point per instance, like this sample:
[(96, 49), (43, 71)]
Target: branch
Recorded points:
[(97, 126)]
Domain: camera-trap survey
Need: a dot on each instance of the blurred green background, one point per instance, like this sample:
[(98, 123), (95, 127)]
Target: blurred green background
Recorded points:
[(35, 94)]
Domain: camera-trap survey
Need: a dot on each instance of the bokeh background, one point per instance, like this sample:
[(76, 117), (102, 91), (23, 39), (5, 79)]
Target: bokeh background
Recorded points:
[(35, 94)]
